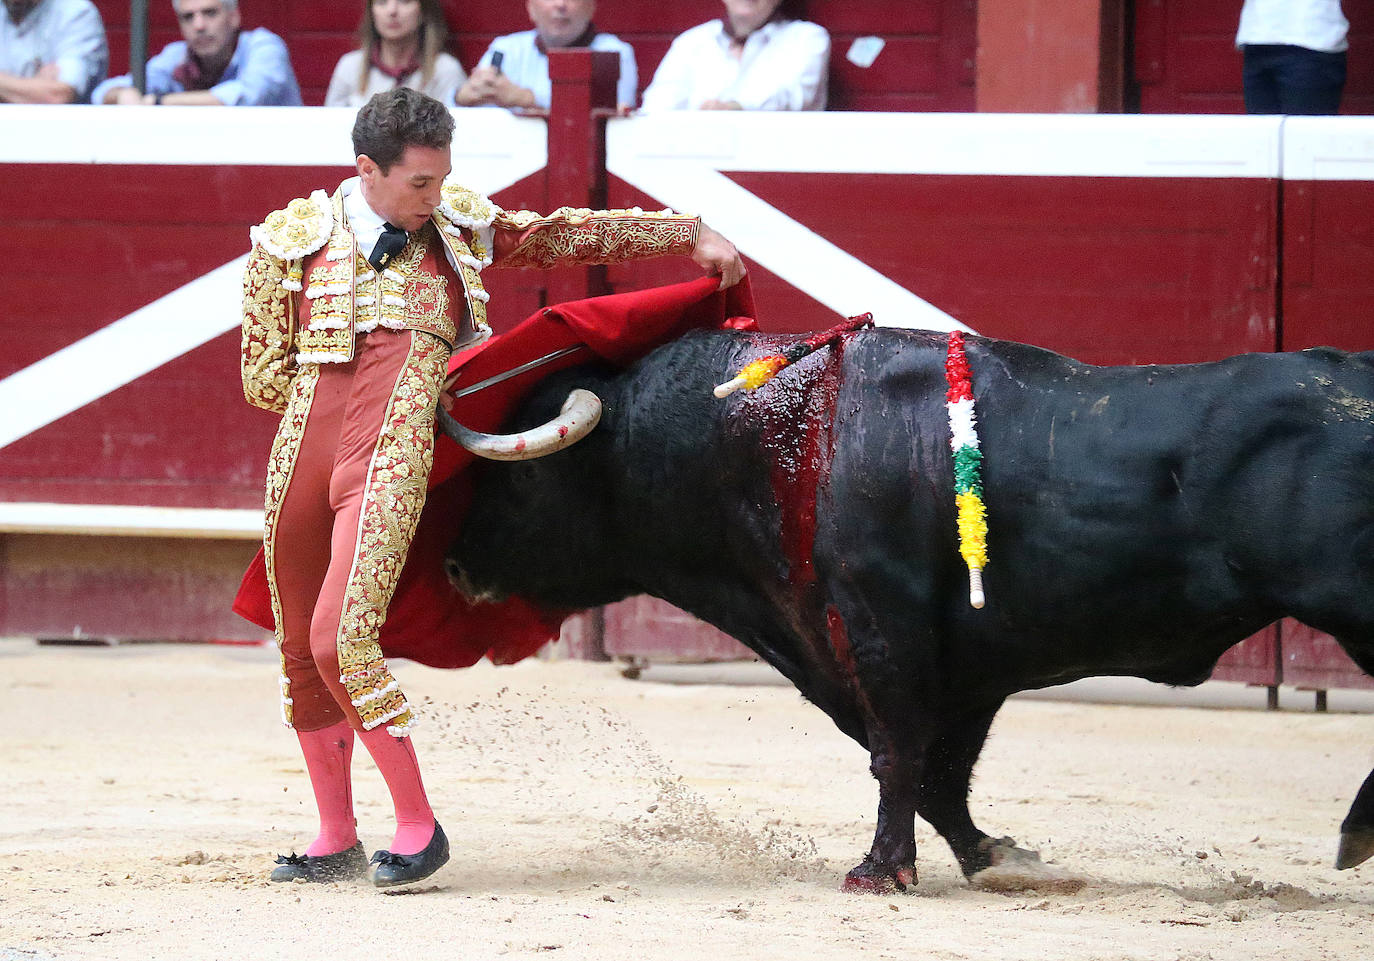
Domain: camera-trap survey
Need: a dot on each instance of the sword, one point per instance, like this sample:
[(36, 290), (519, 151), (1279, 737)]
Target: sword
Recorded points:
[(516, 371)]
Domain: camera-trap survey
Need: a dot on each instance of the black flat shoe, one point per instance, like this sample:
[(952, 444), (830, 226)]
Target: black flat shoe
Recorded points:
[(390, 869), (344, 865)]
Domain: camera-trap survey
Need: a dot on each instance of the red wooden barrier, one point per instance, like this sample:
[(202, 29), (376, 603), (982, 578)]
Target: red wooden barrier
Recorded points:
[(1111, 238)]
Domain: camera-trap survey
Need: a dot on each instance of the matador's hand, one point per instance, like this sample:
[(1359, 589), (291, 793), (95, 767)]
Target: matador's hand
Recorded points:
[(718, 256)]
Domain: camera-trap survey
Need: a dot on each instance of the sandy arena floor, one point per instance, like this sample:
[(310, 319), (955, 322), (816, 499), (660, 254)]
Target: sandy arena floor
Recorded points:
[(147, 789)]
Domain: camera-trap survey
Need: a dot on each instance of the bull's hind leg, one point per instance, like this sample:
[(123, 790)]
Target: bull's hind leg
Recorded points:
[(942, 798), (942, 793), (1357, 830)]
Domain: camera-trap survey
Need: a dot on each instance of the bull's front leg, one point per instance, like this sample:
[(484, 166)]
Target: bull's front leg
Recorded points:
[(890, 864)]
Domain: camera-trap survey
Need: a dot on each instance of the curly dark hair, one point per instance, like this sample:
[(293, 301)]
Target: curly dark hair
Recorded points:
[(392, 121)]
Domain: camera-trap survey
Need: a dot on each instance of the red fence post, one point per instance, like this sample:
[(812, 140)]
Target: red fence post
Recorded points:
[(584, 95)]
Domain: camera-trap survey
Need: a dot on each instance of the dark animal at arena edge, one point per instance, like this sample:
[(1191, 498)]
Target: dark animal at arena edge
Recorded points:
[(1141, 521)]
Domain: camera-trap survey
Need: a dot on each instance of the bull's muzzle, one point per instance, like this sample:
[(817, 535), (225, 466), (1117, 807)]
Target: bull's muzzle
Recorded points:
[(580, 413)]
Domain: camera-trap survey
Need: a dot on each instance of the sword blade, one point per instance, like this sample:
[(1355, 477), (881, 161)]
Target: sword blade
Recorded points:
[(516, 371)]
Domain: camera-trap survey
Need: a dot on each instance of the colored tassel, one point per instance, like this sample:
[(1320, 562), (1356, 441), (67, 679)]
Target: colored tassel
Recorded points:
[(968, 467)]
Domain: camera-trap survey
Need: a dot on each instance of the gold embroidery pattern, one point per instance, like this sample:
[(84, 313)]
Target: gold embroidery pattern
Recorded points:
[(328, 332), (388, 287), (479, 249), (469, 254), (581, 236), (426, 308), (392, 500), (268, 312), (345, 296), (327, 291), (280, 467), (334, 342)]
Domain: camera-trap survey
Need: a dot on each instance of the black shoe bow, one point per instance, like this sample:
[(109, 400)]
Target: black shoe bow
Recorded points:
[(389, 870)]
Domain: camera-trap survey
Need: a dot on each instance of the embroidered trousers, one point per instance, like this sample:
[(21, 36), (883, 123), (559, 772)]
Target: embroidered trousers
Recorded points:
[(346, 483)]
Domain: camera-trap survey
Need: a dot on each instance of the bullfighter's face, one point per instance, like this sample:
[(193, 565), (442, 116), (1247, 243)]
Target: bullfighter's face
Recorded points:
[(406, 194)]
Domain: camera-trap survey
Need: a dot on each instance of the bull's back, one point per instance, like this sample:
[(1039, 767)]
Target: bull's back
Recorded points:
[(1141, 519)]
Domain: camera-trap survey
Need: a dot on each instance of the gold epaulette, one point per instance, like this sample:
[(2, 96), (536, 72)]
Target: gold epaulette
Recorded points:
[(466, 208), (301, 228), (459, 208)]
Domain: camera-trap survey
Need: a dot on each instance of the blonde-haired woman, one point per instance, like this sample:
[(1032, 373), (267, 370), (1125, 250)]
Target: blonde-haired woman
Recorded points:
[(402, 46)]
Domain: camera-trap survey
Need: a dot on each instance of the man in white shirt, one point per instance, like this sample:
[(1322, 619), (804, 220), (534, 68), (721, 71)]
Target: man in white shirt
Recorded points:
[(514, 72), (761, 56), (51, 51), (1294, 53)]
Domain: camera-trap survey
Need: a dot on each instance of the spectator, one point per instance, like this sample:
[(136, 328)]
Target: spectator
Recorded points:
[(402, 46), (1294, 55), (51, 51), (216, 64), (762, 56), (514, 72)]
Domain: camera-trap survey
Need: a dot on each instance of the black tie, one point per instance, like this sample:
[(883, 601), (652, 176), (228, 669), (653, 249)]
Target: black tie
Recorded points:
[(389, 244)]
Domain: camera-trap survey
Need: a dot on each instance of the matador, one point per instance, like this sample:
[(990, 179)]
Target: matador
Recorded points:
[(353, 304)]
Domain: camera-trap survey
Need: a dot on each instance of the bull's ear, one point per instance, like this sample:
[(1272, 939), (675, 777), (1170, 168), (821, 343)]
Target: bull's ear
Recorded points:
[(581, 412)]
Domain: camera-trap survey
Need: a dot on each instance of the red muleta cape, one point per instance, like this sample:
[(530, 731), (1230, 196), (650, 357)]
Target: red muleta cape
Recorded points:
[(428, 620)]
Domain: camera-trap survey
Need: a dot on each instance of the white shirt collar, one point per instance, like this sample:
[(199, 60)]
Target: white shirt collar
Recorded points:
[(365, 222)]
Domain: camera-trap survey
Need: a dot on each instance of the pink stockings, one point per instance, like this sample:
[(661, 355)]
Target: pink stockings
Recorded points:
[(395, 758), (328, 757)]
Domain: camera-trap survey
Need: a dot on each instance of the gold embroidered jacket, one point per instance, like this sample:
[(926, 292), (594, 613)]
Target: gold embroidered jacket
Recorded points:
[(308, 291)]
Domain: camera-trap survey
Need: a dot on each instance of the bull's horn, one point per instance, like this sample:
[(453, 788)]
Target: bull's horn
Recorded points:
[(580, 413)]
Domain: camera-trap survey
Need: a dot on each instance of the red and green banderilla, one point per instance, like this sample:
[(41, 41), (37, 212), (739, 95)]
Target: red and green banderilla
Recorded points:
[(756, 373)]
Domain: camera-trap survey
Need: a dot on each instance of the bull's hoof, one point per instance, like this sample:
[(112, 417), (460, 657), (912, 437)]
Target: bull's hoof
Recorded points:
[(1356, 848), (1016, 869), (868, 878), (991, 852)]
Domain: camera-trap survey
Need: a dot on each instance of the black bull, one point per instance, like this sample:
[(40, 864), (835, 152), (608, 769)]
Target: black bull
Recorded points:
[(1141, 521)]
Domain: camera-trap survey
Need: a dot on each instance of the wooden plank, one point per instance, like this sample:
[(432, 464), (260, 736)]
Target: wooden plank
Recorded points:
[(648, 628), (1254, 660), (144, 588), (1312, 659)]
